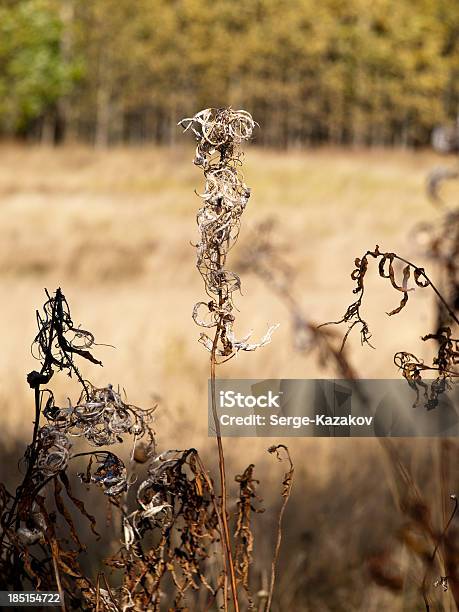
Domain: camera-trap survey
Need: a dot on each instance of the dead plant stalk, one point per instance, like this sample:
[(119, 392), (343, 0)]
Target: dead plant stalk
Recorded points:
[(219, 134)]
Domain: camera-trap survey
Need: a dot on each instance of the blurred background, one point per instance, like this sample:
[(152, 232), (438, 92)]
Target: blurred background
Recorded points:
[(108, 72), (97, 196)]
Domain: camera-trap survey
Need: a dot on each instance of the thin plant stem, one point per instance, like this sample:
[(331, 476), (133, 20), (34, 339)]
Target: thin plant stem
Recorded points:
[(434, 289), (288, 483), (434, 553), (30, 466), (60, 590), (221, 463)]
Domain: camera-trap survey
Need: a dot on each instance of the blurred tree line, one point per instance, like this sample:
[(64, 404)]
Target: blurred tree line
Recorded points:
[(380, 72)]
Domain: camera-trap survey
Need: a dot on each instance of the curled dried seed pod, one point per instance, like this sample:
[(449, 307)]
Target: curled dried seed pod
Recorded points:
[(53, 451), (111, 473), (219, 134), (101, 417)]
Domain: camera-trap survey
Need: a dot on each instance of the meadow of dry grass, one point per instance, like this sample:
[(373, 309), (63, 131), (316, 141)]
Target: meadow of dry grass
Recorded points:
[(113, 229)]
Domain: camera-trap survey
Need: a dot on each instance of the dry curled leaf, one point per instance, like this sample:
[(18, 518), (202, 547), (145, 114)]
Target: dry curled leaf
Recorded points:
[(219, 134)]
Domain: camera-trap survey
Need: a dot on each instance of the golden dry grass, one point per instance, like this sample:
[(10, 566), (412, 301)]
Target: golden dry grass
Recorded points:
[(113, 229)]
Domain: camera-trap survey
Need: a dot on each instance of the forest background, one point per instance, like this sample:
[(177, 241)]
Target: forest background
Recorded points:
[(336, 72)]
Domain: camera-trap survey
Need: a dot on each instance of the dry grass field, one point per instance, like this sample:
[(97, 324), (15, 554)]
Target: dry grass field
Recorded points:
[(114, 230)]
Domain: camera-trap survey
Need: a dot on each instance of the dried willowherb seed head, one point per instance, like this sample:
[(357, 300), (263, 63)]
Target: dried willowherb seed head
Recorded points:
[(111, 473), (219, 134), (53, 451), (101, 417), (177, 503), (219, 130)]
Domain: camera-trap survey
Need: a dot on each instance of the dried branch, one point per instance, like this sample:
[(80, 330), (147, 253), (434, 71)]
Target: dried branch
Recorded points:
[(287, 484), (219, 134), (243, 533)]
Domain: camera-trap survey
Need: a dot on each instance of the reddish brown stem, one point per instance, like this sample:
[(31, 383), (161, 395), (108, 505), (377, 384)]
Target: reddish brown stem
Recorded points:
[(287, 483), (221, 463)]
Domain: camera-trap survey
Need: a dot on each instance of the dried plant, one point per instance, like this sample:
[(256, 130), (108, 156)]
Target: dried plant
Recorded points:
[(287, 484), (176, 504), (410, 365), (243, 535), (58, 342), (174, 536), (32, 549), (219, 134), (172, 532), (433, 551), (438, 555), (169, 538), (101, 417)]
